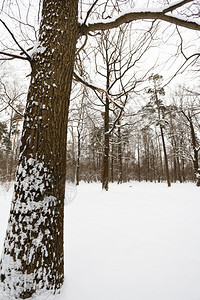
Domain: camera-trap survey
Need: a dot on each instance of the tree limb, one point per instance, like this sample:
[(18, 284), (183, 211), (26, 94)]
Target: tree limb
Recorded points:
[(144, 15)]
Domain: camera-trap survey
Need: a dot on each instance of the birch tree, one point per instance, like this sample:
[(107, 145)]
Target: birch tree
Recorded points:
[(33, 257)]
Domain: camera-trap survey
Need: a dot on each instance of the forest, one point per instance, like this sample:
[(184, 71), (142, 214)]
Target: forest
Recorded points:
[(94, 91), (145, 126), (136, 149)]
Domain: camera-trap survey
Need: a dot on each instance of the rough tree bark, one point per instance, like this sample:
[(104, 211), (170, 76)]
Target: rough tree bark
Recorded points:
[(33, 250)]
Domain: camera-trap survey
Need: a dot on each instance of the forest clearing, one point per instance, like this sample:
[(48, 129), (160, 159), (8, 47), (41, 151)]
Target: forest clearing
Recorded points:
[(138, 241)]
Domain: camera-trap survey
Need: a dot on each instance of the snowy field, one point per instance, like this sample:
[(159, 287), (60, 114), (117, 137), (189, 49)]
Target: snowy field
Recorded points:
[(138, 241)]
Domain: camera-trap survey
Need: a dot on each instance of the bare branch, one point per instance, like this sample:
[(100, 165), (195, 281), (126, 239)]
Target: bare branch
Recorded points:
[(12, 56), (89, 11), (170, 8), (85, 42), (95, 88), (13, 37), (10, 100), (195, 56), (144, 15), (181, 43)]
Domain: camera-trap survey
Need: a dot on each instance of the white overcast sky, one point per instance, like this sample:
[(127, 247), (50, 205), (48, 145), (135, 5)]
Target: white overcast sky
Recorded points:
[(161, 53)]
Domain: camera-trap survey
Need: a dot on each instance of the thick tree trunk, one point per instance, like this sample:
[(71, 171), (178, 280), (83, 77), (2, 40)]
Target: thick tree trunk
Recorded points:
[(33, 250)]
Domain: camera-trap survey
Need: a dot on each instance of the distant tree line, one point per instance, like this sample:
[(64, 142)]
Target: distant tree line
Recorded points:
[(11, 112), (135, 144), (160, 142)]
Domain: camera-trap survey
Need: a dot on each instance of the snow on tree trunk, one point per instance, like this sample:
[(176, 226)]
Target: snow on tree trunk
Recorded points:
[(32, 258)]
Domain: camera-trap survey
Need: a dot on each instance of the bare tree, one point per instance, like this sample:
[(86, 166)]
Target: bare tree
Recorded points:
[(188, 110), (11, 110)]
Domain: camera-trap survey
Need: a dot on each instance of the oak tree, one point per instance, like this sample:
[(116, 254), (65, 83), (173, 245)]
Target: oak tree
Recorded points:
[(33, 257)]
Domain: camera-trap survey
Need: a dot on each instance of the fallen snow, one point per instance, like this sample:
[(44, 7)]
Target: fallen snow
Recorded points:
[(138, 241)]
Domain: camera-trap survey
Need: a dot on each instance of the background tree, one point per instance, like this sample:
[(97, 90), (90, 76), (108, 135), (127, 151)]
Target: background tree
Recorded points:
[(188, 111), (157, 102), (11, 112), (116, 71)]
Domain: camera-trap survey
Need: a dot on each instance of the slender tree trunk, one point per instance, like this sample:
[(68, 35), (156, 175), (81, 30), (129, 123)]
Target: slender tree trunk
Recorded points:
[(73, 156), (183, 169), (78, 159), (139, 167), (112, 161), (161, 161), (148, 161), (153, 165), (105, 176), (179, 170), (33, 249), (106, 150), (162, 136), (195, 151), (9, 158), (95, 162), (174, 174), (165, 156), (120, 164)]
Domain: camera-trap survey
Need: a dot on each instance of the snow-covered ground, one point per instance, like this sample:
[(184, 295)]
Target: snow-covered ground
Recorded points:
[(138, 241)]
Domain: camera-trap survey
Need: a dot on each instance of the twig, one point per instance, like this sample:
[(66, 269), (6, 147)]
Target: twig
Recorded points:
[(13, 37), (78, 78)]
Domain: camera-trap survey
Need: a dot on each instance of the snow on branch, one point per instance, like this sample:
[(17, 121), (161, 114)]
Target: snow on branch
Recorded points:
[(162, 13)]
